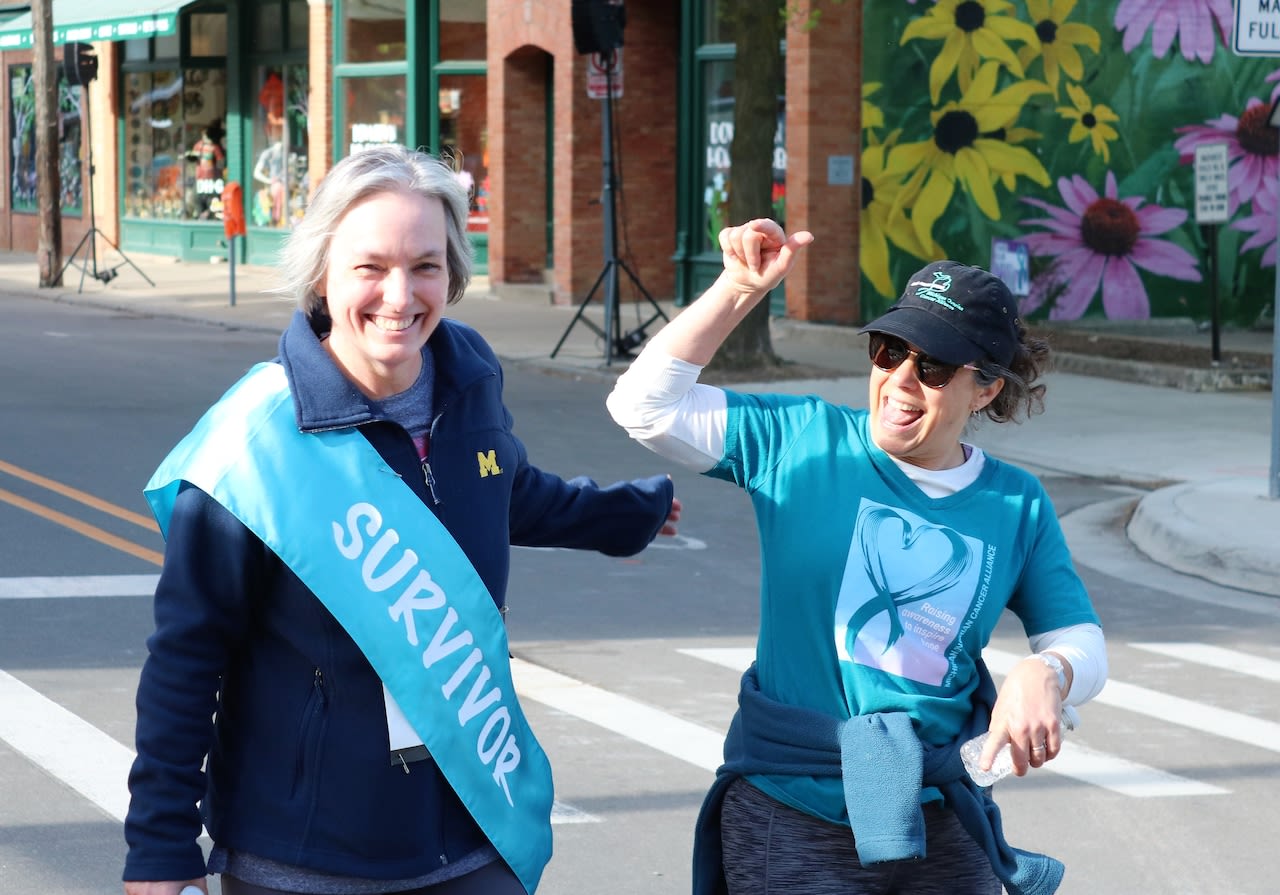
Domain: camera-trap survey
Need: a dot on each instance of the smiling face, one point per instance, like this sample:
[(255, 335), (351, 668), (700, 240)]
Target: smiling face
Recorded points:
[(386, 287), (920, 425)]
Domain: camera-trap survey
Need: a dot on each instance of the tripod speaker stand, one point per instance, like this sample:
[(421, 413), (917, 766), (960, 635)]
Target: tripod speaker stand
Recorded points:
[(80, 64), (616, 344)]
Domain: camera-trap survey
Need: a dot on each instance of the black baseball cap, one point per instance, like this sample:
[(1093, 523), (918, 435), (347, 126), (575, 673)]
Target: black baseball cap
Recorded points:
[(955, 313)]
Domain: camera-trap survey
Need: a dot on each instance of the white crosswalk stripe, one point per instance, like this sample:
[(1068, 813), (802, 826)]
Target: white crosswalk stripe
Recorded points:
[(91, 762), (47, 587), (1093, 766), (96, 766), (1217, 657)]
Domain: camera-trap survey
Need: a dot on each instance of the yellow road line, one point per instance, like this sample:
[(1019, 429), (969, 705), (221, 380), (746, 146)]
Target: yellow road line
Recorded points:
[(84, 528), (80, 496)]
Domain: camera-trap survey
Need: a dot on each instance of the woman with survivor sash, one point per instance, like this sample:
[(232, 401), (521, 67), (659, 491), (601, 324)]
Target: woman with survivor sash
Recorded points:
[(889, 550), (328, 688)]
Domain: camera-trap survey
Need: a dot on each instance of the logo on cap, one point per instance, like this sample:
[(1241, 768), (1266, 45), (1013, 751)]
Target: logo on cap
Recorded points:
[(934, 291)]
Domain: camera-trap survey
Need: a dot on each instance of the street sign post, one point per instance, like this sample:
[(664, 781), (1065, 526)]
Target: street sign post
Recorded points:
[(1257, 28), (1257, 33), (1212, 207)]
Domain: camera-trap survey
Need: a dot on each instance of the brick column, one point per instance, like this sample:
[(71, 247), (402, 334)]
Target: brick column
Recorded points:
[(824, 95), (320, 136)]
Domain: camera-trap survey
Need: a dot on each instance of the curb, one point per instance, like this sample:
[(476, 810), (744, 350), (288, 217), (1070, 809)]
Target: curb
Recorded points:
[(1168, 525), (1191, 379)]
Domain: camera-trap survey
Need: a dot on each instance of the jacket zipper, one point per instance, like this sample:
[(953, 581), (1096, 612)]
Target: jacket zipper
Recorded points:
[(431, 481)]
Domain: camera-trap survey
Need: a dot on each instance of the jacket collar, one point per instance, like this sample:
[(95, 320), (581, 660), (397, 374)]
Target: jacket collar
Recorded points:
[(325, 399)]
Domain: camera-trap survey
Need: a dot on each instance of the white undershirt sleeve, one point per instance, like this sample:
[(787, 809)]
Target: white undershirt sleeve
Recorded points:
[(1086, 649), (661, 404)]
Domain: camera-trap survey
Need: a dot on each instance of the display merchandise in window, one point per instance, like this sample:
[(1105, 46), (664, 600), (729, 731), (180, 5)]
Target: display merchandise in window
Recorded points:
[(22, 145), (280, 148), (174, 154)]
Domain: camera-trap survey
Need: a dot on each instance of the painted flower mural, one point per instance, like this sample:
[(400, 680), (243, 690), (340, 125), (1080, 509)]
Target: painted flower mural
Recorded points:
[(1090, 122), (964, 149), (1088, 114), (1253, 150), (882, 221), (1262, 225), (1190, 21), (1100, 241), (971, 30), (1058, 41)]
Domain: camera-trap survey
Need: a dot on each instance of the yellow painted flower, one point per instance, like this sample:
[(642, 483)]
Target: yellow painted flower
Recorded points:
[(882, 222), (1091, 121), (971, 31), (963, 149), (1057, 41), (871, 115), (1014, 136)]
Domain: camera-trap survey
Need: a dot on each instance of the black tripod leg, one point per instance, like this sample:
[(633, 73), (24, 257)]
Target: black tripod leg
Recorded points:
[(578, 316), (645, 292), (72, 257), (126, 260)]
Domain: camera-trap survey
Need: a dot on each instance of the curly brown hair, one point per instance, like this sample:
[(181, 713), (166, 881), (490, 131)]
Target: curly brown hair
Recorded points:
[(1021, 396)]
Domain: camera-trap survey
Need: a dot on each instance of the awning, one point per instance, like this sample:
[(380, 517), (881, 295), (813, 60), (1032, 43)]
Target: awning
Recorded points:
[(93, 20)]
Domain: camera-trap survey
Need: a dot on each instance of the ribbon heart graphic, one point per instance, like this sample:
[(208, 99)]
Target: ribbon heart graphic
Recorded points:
[(885, 599)]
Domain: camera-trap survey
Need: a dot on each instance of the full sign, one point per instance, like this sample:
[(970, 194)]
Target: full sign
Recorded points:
[(1257, 31)]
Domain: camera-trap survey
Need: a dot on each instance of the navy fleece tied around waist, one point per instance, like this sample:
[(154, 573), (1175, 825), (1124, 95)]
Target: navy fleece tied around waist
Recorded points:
[(883, 765)]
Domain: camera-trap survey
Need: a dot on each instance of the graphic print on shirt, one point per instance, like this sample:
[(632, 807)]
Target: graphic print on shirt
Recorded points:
[(906, 592)]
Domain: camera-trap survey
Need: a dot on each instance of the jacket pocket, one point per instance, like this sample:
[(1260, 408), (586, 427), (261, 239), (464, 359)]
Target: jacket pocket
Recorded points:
[(310, 733)]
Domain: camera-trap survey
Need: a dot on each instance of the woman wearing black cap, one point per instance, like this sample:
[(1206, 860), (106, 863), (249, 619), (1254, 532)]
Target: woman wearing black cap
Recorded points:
[(889, 549)]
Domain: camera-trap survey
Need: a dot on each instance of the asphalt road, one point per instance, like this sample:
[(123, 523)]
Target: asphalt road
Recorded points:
[(628, 669)]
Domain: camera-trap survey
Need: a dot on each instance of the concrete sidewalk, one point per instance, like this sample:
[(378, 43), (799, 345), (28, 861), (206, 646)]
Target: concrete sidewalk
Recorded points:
[(1206, 455)]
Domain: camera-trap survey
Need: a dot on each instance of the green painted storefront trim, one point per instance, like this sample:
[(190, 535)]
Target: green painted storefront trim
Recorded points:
[(95, 20)]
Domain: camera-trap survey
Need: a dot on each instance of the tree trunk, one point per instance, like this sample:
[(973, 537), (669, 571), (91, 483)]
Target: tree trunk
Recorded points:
[(44, 77), (758, 27)]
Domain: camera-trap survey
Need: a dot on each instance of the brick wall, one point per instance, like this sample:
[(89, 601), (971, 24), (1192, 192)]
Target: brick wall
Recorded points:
[(526, 41), (823, 120), (320, 157)]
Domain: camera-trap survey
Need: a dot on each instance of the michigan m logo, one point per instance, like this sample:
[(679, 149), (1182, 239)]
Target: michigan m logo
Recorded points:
[(488, 464)]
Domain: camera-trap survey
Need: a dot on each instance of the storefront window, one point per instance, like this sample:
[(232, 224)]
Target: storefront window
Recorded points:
[(718, 140), (462, 30), (281, 26), (173, 134), (280, 147), (375, 111), (464, 138), (375, 30), (714, 29), (22, 151), (299, 29), (208, 33)]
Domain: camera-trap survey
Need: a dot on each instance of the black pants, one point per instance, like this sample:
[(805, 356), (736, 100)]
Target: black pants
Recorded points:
[(772, 849), (495, 878)]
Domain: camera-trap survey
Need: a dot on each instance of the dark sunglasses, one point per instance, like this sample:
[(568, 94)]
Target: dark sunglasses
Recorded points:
[(888, 353)]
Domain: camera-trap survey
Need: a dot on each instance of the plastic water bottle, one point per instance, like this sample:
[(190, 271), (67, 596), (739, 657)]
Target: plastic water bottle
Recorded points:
[(190, 890), (1002, 766)]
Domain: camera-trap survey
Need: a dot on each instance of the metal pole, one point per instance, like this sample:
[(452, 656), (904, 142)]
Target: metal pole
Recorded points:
[(231, 266), (610, 216), (1274, 479), (1216, 353)]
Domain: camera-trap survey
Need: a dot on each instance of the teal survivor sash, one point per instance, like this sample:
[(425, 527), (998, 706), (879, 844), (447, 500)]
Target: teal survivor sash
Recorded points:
[(360, 539)]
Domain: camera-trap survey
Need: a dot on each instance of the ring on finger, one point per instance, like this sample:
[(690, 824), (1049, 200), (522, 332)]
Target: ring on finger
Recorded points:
[(1040, 748)]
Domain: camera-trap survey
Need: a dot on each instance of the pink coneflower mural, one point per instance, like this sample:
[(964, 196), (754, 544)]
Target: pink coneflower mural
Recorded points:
[(1102, 241), (1190, 21), (1262, 224), (1253, 149)]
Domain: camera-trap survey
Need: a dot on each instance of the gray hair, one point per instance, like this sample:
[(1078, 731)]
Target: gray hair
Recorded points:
[(304, 258)]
